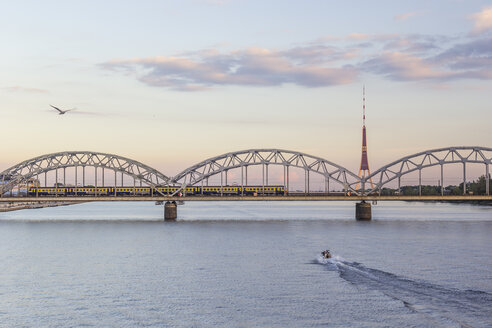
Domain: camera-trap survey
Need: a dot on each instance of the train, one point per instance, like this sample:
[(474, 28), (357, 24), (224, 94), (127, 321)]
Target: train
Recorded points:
[(147, 191)]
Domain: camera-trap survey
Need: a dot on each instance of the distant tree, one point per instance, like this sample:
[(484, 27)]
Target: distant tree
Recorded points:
[(410, 190), (387, 192), (455, 190), (478, 187)]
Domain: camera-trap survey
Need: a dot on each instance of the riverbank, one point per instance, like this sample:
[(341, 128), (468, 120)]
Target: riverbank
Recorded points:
[(9, 207), (456, 202)]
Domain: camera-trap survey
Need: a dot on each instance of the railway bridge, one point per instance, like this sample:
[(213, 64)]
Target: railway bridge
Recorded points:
[(76, 176)]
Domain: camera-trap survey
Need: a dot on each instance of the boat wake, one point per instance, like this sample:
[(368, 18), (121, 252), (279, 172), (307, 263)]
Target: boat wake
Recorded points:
[(440, 306)]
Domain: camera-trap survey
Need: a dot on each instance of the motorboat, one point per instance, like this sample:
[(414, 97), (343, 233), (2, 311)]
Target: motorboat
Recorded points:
[(326, 254)]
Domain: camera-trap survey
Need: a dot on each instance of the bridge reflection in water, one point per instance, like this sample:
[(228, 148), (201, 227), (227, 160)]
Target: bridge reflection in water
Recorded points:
[(23, 182)]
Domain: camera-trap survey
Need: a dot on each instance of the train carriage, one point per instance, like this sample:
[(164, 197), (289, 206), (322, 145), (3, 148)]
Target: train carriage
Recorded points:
[(146, 191)]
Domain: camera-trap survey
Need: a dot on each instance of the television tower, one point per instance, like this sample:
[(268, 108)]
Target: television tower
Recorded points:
[(364, 170)]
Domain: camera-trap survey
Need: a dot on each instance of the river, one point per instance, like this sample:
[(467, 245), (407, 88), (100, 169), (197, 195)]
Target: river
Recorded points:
[(247, 264)]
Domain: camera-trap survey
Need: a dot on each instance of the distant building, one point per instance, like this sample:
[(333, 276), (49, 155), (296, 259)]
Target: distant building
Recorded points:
[(21, 188)]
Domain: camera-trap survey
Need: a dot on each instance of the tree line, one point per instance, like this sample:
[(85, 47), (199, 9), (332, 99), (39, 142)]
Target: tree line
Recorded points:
[(476, 187)]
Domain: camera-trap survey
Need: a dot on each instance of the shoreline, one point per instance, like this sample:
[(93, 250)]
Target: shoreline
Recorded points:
[(32, 205)]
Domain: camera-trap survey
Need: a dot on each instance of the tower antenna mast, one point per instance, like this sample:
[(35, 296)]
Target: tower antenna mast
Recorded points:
[(364, 105), (364, 170)]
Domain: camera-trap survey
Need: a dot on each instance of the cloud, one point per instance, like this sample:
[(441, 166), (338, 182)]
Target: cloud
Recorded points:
[(466, 60), (250, 67), (317, 54), (322, 63), (482, 20), (402, 67), (370, 37), (326, 38), (405, 16), (17, 88), (476, 54), (414, 43), (359, 36)]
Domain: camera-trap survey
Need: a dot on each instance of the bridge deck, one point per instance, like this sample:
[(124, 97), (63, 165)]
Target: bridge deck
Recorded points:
[(245, 198)]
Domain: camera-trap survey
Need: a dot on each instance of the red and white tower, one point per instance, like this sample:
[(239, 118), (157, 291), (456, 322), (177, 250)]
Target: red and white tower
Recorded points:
[(364, 170)]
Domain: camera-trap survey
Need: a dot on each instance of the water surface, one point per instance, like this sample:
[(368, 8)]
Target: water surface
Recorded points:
[(246, 264)]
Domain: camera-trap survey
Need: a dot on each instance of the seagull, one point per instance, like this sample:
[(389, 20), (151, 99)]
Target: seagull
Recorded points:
[(61, 112)]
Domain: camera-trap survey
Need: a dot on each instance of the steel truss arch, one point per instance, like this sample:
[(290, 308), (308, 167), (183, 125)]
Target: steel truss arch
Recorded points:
[(30, 168), (245, 158), (428, 158)]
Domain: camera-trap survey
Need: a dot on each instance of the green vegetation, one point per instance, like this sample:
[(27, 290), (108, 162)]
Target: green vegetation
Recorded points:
[(476, 187)]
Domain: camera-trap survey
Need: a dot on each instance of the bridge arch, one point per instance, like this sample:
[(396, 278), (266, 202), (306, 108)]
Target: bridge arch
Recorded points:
[(429, 158), (22, 172), (287, 158)]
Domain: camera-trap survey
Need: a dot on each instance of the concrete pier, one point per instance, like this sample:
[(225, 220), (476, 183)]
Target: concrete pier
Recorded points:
[(170, 211), (363, 211)]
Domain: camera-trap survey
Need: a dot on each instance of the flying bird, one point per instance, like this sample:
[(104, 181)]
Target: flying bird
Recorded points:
[(61, 112)]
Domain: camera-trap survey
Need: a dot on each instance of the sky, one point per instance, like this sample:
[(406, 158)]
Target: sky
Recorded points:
[(171, 83)]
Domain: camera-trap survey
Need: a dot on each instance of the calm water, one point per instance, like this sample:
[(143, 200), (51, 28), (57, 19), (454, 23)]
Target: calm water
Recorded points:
[(246, 265)]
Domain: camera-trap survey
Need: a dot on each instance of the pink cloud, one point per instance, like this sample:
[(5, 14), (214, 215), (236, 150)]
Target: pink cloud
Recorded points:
[(405, 16), (401, 66), (398, 57), (482, 20), (359, 36), (252, 66)]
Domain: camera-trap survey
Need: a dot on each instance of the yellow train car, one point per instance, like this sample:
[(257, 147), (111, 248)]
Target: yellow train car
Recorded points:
[(147, 191)]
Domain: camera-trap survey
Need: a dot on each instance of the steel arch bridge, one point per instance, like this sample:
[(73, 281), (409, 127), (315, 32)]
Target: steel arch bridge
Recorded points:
[(435, 157), (243, 159), (36, 166), (220, 165)]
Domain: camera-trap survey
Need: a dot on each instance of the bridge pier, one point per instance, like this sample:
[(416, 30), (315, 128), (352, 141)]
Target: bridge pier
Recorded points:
[(170, 211), (363, 211)]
